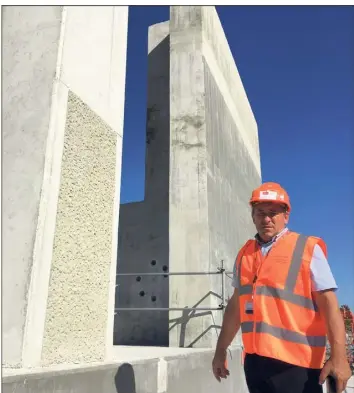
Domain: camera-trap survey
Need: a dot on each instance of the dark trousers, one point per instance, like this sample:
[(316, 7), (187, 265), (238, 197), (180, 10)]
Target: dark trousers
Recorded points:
[(266, 375)]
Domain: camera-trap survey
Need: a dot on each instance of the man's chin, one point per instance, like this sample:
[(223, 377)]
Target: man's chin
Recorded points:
[(267, 234)]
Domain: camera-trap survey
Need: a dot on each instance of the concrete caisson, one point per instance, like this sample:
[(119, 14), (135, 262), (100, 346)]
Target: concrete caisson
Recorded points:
[(202, 164), (63, 106)]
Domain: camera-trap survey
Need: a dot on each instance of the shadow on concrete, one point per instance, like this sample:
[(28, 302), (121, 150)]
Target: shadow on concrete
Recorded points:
[(187, 315), (124, 380)]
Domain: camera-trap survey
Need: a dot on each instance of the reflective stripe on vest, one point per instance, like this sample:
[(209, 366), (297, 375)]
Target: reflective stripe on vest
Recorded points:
[(284, 334), (316, 342)]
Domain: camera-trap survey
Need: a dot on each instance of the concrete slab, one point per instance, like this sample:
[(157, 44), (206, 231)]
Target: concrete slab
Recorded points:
[(138, 377), (168, 374)]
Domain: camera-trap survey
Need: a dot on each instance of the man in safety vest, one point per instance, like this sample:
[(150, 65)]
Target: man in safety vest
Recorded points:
[(285, 303)]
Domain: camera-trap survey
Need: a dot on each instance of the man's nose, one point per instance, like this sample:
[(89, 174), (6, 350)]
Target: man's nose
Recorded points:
[(266, 219)]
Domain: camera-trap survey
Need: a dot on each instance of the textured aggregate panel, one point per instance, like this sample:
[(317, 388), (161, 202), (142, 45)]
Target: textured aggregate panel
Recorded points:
[(78, 290)]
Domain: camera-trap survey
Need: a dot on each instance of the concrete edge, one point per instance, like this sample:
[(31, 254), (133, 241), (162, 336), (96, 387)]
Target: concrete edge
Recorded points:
[(43, 246), (109, 339), (72, 368), (198, 352), (69, 369)]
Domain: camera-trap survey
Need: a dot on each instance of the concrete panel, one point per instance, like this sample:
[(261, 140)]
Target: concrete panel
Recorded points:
[(77, 299), (192, 373), (189, 228), (231, 178), (29, 55), (44, 44), (213, 174), (94, 58), (217, 52)]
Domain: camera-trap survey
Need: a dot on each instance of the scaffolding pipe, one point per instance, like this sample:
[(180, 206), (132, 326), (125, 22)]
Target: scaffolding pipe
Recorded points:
[(223, 286), (169, 274), (221, 271), (169, 309)]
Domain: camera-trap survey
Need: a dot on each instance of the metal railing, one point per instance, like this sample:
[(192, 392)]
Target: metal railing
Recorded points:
[(221, 270)]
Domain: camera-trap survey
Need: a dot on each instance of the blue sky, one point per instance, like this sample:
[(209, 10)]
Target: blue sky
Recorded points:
[(297, 66)]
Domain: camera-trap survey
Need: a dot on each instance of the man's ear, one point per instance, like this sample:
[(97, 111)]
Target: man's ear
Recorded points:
[(286, 217)]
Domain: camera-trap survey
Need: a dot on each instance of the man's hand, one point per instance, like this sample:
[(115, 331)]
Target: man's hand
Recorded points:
[(339, 369), (230, 326), (337, 365), (219, 364)]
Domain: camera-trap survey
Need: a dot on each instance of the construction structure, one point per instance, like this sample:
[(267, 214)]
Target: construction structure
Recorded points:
[(202, 162), (63, 104)]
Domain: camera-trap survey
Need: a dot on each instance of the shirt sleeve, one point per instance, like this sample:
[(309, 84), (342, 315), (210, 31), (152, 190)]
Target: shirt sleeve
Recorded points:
[(321, 274)]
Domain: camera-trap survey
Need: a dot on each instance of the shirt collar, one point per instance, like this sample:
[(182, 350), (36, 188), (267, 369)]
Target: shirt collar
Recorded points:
[(273, 240)]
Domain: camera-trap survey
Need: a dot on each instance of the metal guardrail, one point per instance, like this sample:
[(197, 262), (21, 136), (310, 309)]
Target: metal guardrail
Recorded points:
[(220, 270)]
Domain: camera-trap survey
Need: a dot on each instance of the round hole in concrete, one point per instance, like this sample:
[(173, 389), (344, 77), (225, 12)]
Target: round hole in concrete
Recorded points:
[(138, 278), (153, 298), (153, 262), (141, 293), (164, 268)]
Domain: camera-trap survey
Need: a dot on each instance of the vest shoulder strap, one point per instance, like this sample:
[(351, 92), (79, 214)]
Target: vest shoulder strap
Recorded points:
[(314, 240), (242, 251)]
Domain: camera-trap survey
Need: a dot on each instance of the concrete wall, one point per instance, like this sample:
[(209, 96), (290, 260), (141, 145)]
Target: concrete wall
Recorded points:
[(64, 80), (214, 166), (202, 164), (170, 374), (189, 228), (29, 57), (144, 226), (233, 162)]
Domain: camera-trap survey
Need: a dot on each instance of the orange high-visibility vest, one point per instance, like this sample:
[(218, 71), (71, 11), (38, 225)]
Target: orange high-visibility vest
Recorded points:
[(285, 323)]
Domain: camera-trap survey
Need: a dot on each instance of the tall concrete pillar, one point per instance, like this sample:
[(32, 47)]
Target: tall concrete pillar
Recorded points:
[(63, 105), (214, 166), (202, 164)]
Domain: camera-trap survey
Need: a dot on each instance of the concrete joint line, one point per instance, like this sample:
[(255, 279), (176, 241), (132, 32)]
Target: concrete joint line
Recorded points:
[(113, 268), (61, 43), (162, 376)]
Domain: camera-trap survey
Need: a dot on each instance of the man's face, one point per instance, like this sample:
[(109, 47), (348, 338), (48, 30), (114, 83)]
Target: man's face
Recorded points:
[(270, 219)]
